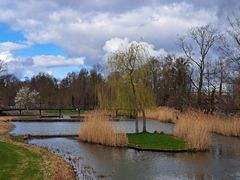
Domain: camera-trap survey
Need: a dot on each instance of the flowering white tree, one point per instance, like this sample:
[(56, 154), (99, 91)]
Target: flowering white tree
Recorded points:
[(25, 97)]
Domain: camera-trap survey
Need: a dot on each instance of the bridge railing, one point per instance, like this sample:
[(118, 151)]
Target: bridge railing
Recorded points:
[(46, 107)]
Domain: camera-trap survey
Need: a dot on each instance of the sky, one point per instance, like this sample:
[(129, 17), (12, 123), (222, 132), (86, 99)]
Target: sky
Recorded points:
[(61, 36)]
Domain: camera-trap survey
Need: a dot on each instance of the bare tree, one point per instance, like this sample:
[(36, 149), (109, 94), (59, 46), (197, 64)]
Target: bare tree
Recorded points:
[(234, 32), (196, 46), (2, 67)]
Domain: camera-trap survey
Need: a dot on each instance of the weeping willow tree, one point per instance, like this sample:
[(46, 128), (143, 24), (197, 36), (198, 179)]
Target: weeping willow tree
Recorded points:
[(126, 87)]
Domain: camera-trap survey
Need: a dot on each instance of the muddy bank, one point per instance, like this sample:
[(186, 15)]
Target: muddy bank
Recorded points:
[(5, 126)]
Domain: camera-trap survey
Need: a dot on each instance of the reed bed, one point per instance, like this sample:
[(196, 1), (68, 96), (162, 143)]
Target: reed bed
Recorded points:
[(229, 126), (195, 128), (98, 129), (163, 114)]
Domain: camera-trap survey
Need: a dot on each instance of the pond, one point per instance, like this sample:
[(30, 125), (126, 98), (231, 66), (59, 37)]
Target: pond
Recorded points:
[(99, 162), (50, 128)]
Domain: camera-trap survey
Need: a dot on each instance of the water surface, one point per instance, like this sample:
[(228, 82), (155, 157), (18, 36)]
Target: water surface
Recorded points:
[(96, 161), (99, 162), (50, 128)]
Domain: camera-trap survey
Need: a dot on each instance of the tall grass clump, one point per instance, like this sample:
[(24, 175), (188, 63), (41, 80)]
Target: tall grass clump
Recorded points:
[(227, 126), (163, 114), (193, 127), (98, 129)]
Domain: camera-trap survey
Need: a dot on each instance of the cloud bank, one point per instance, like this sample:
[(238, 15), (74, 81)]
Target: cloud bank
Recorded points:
[(86, 30)]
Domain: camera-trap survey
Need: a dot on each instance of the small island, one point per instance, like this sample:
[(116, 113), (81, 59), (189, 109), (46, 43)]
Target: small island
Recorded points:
[(157, 142)]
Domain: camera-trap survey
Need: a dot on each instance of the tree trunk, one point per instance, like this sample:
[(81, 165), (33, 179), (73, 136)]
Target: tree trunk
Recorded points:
[(199, 91), (220, 87), (212, 100), (144, 121), (134, 93), (136, 122)]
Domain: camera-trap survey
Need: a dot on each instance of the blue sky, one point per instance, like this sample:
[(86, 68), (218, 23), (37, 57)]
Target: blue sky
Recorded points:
[(34, 49), (9, 35), (59, 36)]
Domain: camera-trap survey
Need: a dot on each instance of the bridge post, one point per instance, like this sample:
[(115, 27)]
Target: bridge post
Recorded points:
[(78, 112), (20, 112), (60, 112), (40, 112)]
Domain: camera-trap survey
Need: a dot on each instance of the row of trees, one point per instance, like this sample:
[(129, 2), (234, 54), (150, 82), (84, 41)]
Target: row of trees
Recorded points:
[(206, 75), (74, 89)]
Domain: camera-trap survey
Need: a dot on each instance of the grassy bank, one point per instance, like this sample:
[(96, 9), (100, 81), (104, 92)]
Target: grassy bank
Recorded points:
[(156, 141), (22, 161), (19, 163)]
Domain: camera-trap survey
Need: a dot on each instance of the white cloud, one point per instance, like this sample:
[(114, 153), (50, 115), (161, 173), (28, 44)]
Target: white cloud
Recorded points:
[(10, 46), (83, 33), (6, 56), (56, 61), (116, 44), (29, 66), (89, 30)]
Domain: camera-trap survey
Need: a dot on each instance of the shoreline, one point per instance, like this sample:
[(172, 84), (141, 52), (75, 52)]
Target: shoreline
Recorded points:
[(57, 163)]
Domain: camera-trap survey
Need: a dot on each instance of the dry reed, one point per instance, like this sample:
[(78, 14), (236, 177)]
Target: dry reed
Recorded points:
[(229, 126), (195, 129), (163, 114), (98, 129)]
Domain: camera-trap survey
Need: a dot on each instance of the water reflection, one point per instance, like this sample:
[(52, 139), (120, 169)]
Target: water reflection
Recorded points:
[(122, 163)]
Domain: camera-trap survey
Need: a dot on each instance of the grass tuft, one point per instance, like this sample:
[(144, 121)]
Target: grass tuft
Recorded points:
[(98, 129)]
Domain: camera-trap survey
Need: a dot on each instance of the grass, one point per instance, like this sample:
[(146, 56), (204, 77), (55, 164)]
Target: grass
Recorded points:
[(19, 163), (22, 161), (66, 112), (156, 141), (18, 138), (98, 129)]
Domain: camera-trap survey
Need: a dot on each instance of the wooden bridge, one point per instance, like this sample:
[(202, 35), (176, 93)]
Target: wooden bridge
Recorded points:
[(41, 108)]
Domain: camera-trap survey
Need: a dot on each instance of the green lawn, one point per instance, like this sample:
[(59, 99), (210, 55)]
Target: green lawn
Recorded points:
[(19, 163), (67, 112), (156, 141)]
